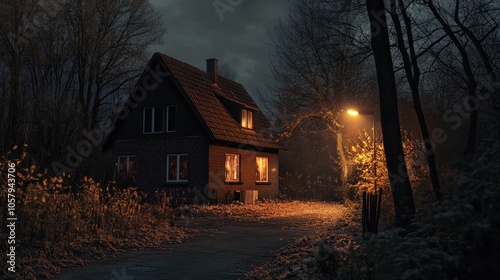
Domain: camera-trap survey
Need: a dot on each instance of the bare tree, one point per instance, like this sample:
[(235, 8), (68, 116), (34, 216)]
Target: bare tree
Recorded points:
[(109, 41), (227, 71), (13, 56), (75, 58), (406, 46), (453, 17), (316, 74), (396, 165)]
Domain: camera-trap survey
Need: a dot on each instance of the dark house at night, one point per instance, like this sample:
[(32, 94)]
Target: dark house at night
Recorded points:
[(188, 130)]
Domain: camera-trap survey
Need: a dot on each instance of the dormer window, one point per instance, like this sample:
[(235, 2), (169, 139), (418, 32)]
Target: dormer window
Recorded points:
[(246, 119)]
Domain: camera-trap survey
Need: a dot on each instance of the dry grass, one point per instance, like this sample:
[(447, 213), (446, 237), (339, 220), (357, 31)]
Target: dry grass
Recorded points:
[(61, 226)]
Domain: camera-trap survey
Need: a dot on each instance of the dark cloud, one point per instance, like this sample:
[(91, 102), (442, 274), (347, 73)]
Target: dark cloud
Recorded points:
[(195, 32)]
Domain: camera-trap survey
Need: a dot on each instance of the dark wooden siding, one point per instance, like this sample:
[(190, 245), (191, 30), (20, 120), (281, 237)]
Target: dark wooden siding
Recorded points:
[(165, 94)]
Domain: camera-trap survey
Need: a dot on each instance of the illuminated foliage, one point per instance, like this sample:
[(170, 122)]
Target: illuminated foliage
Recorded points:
[(360, 155)]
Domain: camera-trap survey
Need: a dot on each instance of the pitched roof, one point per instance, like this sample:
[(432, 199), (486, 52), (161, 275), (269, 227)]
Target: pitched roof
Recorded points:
[(203, 94), (205, 98)]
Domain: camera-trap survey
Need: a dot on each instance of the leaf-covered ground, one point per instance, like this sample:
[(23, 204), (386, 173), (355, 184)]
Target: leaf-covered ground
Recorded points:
[(326, 224), (333, 228)]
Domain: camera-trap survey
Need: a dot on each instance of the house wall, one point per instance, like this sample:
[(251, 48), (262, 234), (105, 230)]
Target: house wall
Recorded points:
[(151, 150), (216, 178), (151, 157), (165, 94), (206, 163)]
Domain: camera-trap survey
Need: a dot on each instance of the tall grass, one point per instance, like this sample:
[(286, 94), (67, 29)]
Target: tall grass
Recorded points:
[(60, 219)]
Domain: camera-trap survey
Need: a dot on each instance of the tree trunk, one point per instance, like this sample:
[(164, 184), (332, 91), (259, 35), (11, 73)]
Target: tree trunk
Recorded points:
[(396, 165), (412, 72)]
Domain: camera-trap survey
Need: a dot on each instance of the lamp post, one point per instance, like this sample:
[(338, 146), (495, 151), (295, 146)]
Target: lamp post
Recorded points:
[(354, 113)]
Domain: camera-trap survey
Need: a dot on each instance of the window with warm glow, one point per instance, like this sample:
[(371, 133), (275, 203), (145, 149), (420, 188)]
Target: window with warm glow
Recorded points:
[(177, 168), (262, 171), (246, 119), (126, 168), (232, 168), (153, 120)]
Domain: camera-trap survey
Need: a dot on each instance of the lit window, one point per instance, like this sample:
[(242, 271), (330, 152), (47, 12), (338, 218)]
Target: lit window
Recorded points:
[(177, 168), (262, 170), (126, 168), (232, 168), (246, 119), (171, 116), (153, 120)]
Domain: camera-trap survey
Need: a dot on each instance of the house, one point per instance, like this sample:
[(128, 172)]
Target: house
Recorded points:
[(195, 132)]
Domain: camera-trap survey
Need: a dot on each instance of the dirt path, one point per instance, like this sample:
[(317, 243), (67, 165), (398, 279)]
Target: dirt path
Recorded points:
[(226, 252)]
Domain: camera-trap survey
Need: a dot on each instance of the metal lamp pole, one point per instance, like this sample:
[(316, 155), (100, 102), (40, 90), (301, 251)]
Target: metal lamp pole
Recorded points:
[(371, 202), (368, 113), (374, 154)]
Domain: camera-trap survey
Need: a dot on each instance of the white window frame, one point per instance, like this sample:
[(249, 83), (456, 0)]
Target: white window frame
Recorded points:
[(257, 180), (152, 120), (178, 163), (238, 171), (127, 166), (246, 118), (168, 118)]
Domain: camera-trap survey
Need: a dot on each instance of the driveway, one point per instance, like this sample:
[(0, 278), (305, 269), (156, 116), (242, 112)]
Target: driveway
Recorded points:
[(226, 252)]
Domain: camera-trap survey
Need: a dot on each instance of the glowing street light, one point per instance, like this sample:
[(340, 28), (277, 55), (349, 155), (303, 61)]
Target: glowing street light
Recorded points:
[(353, 112)]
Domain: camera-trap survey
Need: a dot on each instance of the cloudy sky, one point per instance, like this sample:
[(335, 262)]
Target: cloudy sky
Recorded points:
[(235, 35)]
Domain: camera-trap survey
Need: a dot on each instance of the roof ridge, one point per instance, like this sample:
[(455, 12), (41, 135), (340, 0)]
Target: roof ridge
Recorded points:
[(205, 95), (182, 62)]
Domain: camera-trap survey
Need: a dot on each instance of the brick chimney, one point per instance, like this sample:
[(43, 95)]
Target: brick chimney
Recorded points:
[(212, 69)]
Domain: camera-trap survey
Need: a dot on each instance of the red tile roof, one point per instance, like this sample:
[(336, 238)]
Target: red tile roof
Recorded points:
[(203, 95)]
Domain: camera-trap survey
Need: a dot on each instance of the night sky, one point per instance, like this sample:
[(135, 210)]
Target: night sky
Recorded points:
[(196, 32)]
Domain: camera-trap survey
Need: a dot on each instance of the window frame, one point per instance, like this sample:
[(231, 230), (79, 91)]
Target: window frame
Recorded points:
[(237, 180), (258, 171), (153, 113), (127, 167), (178, 164), (246, 119), (167, 123)]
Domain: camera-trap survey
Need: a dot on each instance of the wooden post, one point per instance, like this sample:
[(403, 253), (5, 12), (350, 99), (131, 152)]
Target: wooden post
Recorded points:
[(370, 212)]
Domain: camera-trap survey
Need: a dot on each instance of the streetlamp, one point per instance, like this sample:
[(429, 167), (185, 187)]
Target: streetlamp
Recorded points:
[(355, 113)]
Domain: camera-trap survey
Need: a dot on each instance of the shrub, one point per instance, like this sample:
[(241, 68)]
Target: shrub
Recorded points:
[(56, 218), (457, 239)]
